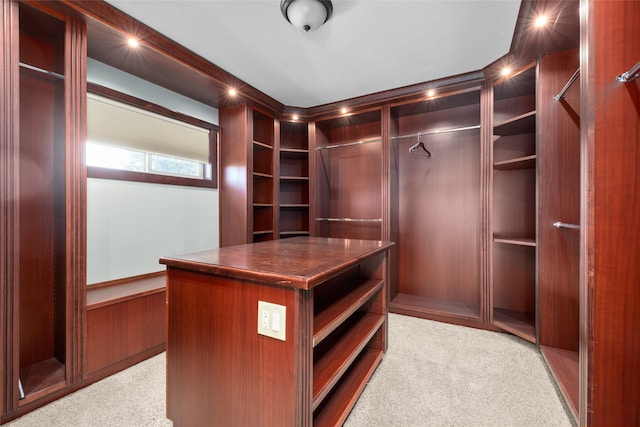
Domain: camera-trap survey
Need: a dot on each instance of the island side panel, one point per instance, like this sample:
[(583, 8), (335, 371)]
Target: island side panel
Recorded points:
[(219, 370)]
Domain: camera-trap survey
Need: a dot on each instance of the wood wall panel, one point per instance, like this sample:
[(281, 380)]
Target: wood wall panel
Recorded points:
[(439, 218), (234, 179), (121, 331), (559, 200), (611, 244), (9, 194)]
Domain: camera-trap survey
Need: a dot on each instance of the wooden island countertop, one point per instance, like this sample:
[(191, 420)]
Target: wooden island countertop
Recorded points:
[(299, 262)]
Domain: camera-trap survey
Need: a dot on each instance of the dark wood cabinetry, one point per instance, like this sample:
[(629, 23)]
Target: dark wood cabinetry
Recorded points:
[(348, 175), (513, 207), (44, 175), (559, 211), (335, 294), (294, 179), (248, 150), (436, 207), (473, 223)]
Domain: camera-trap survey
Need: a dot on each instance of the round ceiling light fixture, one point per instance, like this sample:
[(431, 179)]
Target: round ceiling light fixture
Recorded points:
[(306, 15)]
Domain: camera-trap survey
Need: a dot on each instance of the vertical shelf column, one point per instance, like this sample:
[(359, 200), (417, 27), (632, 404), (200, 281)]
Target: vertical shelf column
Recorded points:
[(514, 210), (293, 196), (264, 186)]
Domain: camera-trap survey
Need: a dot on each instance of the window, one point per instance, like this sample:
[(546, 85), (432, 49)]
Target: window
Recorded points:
[(130, 139), (106, 156)]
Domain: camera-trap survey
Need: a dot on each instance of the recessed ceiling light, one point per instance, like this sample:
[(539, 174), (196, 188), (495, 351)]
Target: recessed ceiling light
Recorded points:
[(232, 92), (541, 21), (506, 71), (343, 110), (133, 42), (295, 117), (430, 93)]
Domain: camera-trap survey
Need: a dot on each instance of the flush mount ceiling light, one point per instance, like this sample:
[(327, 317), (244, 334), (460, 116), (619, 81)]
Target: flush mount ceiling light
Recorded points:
[(306, 15)]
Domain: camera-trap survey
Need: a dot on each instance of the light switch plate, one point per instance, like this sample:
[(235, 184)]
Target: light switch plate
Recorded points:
[(266, 325)]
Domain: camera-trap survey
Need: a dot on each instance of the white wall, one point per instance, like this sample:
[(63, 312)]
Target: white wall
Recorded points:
[(130, 225)]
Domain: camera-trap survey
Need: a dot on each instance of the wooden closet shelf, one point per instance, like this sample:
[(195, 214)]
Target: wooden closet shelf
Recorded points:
[(262, 145), (344, 396), (259, 232), (405, 304), (329, 369), (331, 317), (294, 205), (297, 151), (526, 162), (294, 178), (517, 322), (295, 233), (515, 240), (565, 368), (262, 205), (40, 377), (525, 123), (262, 175)]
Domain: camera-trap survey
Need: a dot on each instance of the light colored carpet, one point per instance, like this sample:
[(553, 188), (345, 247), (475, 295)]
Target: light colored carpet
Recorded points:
[(434, 374)]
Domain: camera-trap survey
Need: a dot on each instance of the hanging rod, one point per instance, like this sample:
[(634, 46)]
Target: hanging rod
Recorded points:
[(630, 75), (350, 219), (433, 132), (565, 225), (566, 87), (348, 144), (40, 70)]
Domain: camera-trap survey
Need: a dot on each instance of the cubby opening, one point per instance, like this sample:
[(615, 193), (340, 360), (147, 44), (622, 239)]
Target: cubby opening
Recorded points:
[(436, 207), (514, 210), (42, 210)]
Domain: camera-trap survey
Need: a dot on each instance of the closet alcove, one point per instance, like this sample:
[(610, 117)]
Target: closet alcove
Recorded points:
[(436, 205)]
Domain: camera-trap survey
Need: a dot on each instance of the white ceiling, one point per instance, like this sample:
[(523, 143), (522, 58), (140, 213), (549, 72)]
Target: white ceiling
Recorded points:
[(367, 46)]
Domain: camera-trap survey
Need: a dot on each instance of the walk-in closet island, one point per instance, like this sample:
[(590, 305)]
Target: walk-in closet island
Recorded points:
[(330, 324)]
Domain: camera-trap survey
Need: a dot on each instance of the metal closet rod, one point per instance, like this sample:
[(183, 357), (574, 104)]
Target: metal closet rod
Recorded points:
[(565, 225), (434, 132), (630, 75), (348, 144), (566, 87), (41, 70)]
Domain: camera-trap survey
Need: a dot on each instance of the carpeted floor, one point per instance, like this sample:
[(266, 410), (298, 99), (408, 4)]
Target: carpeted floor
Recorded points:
[(433, 374)]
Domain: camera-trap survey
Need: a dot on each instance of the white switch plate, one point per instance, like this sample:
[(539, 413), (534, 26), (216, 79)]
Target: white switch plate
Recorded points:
[(272, 320)]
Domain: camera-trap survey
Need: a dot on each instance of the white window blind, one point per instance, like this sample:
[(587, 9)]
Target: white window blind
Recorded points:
[(117, 124)]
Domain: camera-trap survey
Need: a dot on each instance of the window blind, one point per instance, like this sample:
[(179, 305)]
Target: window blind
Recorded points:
[(121, 125)]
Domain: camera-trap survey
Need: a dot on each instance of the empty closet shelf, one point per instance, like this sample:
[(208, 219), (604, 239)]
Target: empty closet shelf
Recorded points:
[(350, 219), (515, 240)]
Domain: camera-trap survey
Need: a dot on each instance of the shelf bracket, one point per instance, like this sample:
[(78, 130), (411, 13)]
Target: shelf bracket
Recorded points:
[(566, 87), (630, 75)]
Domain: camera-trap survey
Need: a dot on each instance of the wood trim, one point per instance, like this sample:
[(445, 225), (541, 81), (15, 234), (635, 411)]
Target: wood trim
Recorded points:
[(150, 178), (148, 106), (116, 291), (76, 211), (9, 224), (486, 200), (587, 113)]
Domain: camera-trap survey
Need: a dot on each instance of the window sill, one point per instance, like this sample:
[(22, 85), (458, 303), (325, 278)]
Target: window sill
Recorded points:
[(116, 291)]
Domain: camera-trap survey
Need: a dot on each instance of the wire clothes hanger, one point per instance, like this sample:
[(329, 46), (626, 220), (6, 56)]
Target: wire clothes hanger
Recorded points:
[(418, 149)]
